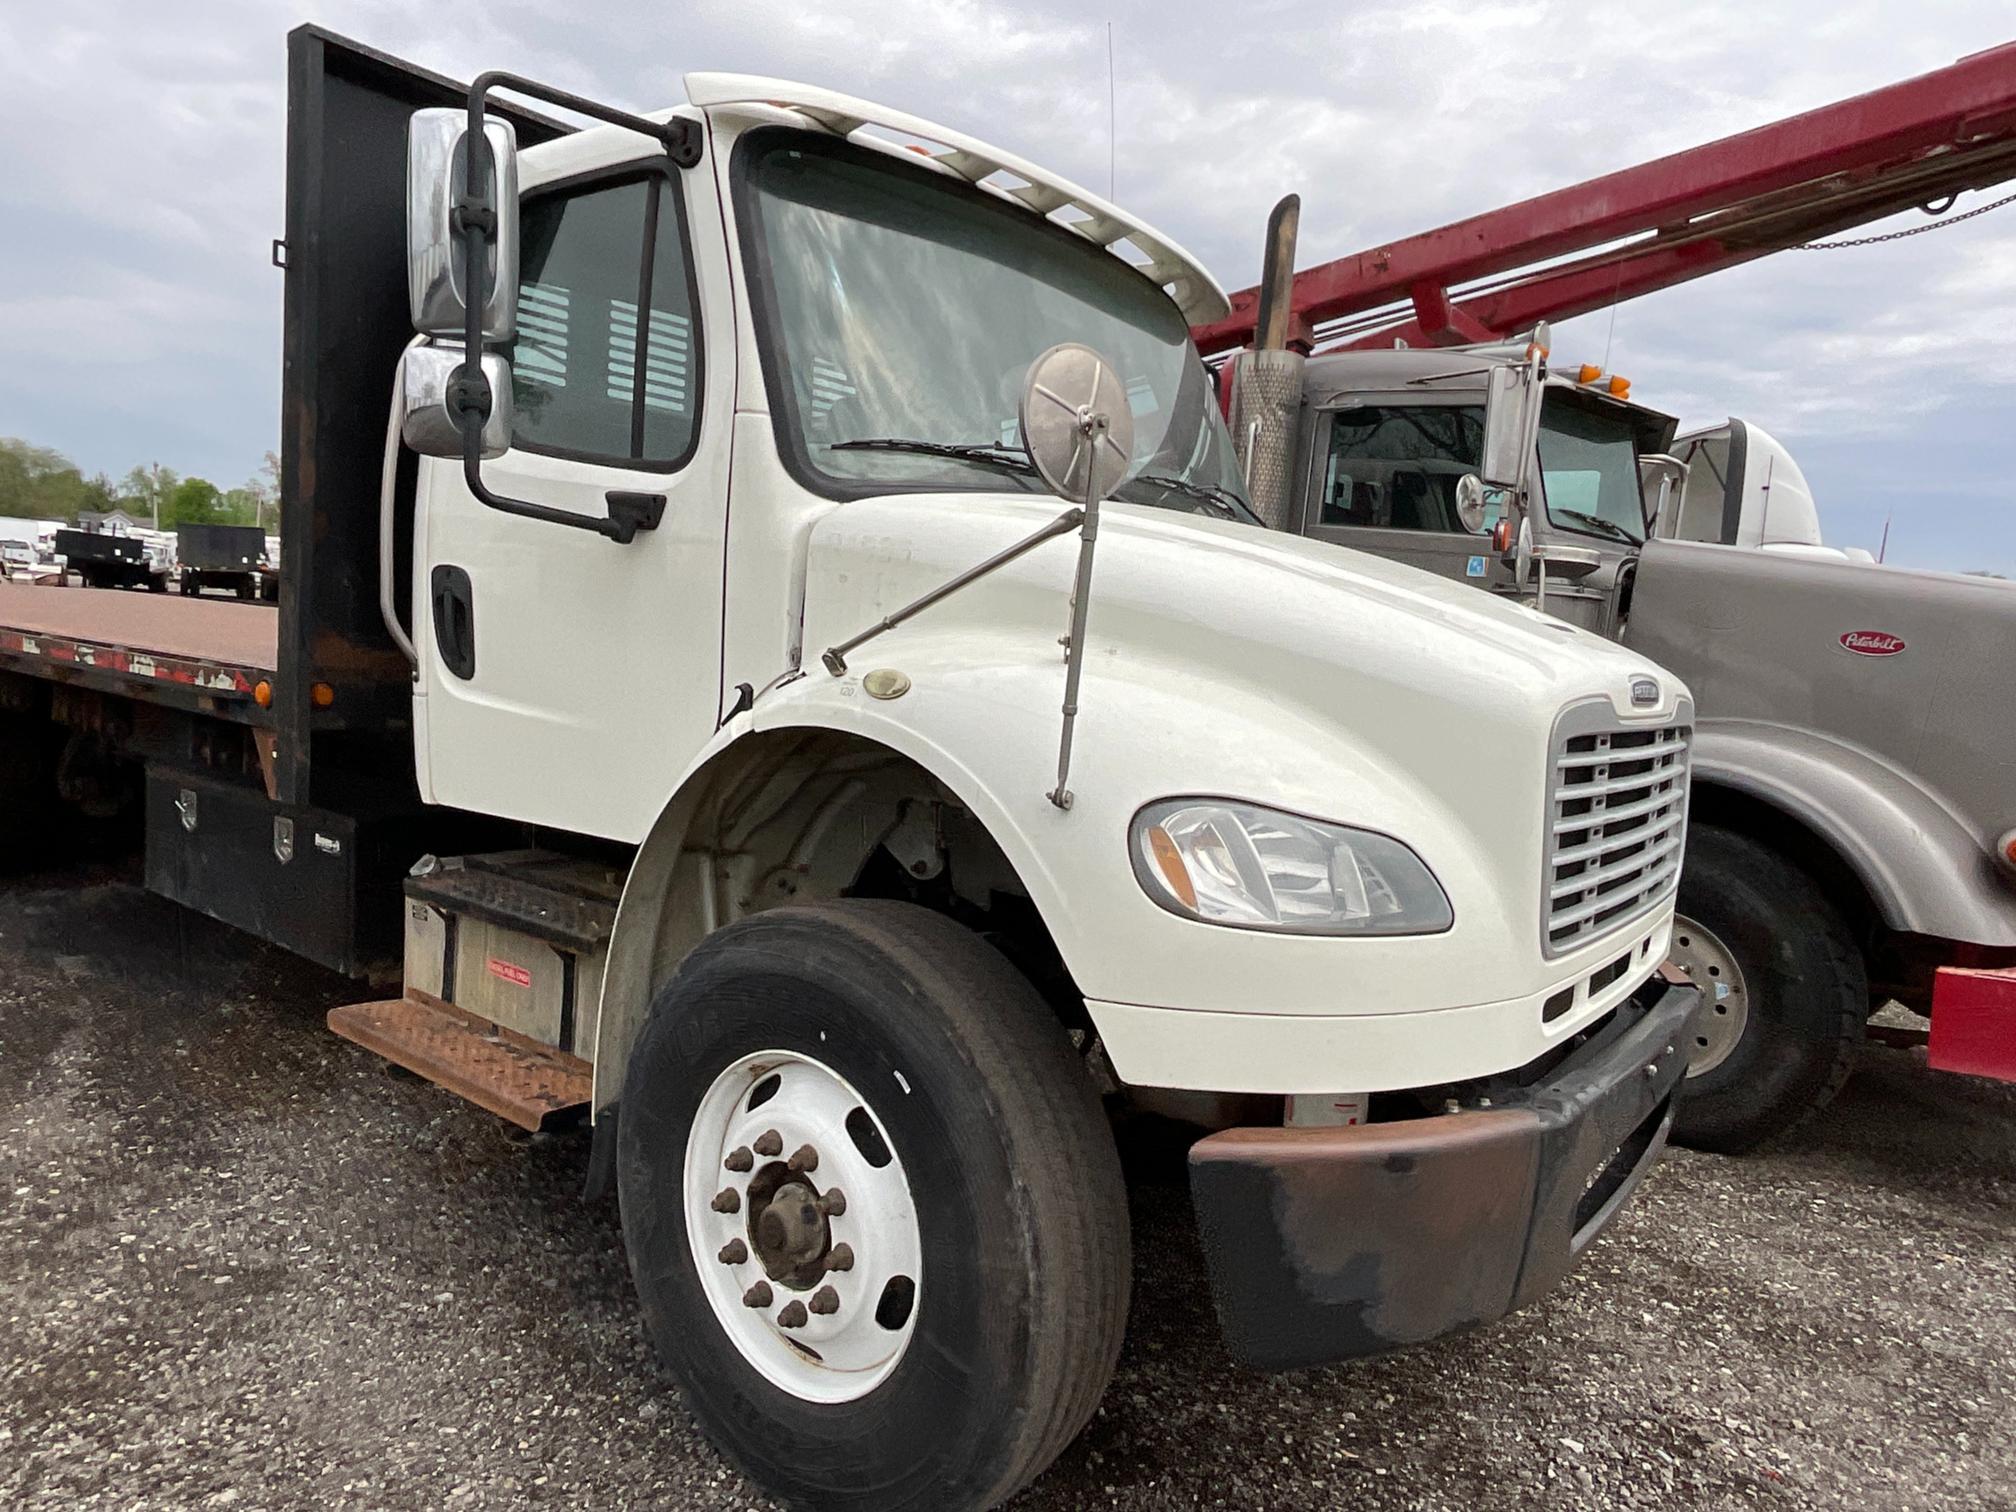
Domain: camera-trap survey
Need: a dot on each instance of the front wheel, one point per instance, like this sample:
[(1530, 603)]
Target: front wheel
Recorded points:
[(1784, 993), (873, 1209)]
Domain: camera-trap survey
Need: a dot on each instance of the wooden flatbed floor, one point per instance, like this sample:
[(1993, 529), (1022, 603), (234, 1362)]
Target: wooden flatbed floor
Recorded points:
[(219, 647)]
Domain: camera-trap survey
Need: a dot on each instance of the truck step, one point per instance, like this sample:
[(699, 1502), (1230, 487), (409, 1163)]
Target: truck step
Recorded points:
[(527, 1083)]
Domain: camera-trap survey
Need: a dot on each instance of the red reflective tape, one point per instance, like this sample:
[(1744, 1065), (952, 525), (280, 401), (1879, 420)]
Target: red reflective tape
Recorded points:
[(516, 975), (199, 674), (1974, 1022)]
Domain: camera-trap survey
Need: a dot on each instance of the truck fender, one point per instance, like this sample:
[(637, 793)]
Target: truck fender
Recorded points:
[(670, 900), (1922, 868)]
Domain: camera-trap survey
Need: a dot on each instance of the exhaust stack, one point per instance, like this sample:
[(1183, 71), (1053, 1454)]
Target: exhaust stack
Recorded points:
[(1267, 380)]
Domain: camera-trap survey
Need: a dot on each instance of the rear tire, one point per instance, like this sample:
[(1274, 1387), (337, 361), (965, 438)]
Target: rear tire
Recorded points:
[(1763, 941), (1017, 1218)]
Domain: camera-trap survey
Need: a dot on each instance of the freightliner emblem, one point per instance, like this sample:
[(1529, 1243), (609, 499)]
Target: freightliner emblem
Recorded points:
[(1644, 692)]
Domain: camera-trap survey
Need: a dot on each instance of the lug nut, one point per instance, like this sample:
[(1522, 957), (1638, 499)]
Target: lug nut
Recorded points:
[(834, 1203), (769, 1143), (727, 1200), (757, 1295), (734, 1252), (804, 1158), (825, 1300), (739, 1159), (793, 1316), (840, 1258)]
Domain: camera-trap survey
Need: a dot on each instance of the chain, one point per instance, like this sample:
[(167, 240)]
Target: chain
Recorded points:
[(1890, 236)]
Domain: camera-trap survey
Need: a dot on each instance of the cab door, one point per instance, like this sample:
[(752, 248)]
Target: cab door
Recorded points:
[(1383, 480), (566, 679)]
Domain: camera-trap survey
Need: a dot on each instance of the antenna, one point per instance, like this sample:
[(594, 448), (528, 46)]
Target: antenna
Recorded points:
[(1610, 334), (1112, 149), (1885, 545)]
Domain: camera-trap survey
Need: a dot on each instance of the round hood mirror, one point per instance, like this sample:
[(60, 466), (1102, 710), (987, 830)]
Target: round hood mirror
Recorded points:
[(1470, 503), (1076, 423)]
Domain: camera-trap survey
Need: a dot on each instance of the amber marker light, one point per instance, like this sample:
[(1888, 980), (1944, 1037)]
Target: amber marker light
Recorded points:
[(262, 694), (323, 695), (1170, 864)]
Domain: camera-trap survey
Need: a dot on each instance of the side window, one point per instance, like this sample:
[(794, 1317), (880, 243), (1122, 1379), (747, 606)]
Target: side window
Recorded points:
[(1702, 500), (1396, 466), (590, 378)]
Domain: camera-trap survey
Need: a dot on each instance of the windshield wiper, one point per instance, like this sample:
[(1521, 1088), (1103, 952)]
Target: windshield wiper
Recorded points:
[(966, 451), (1604, 527), (1223, 499)]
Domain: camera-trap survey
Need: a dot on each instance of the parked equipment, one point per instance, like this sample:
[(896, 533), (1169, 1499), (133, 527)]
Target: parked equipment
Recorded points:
[(230, 557), (102, 560), (853, 893)]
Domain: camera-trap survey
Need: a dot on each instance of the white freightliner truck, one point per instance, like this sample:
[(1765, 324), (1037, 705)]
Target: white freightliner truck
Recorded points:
[(611, 685)]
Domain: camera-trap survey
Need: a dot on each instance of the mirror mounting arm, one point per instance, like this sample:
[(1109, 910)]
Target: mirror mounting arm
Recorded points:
[(475, 221)]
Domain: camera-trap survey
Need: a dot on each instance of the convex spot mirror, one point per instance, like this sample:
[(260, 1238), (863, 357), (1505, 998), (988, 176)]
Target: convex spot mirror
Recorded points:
[(437, 176), (1077, 425), (1472, 513), (427, 420)]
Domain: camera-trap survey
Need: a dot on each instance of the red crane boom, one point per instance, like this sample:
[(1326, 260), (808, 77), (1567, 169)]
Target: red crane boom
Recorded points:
[(1920, 142)]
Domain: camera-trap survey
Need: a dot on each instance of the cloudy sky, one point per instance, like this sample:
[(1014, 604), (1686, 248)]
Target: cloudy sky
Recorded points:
[(142, 153)]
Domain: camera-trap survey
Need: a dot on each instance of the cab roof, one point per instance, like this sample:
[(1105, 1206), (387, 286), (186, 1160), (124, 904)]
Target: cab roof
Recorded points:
[(1015, 179)]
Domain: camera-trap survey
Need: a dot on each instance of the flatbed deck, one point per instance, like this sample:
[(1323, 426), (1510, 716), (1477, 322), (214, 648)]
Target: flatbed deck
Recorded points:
[(145, 645)]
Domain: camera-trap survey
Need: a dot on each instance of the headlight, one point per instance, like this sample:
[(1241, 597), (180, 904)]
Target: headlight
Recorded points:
[(1258, 868)]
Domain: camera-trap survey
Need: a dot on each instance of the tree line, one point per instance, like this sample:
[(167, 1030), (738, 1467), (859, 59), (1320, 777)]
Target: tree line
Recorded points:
[(38, 482)]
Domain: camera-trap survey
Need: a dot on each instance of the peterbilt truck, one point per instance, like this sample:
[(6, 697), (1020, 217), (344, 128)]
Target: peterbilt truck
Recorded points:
[(682, 514), (1853, 830)]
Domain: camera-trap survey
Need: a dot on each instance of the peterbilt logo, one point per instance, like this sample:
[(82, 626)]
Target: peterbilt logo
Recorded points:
[(1872, 642), (1644, 692)]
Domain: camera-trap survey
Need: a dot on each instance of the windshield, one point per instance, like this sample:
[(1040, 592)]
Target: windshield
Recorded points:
[(900, 314), (1589, 469)]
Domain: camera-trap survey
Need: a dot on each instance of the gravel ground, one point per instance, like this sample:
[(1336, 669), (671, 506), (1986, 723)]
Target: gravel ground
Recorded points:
[(244, 1263)]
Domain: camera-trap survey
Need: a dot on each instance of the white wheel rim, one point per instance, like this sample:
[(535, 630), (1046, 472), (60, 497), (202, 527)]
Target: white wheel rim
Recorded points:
[(834, 1355), (1725, 997)]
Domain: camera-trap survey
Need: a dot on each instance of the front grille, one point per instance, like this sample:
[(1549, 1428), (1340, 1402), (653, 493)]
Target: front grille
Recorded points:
[(1617, 821)]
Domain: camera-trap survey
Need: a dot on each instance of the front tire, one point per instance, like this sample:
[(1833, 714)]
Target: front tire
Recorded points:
[(980, 1310), (1784, 993)]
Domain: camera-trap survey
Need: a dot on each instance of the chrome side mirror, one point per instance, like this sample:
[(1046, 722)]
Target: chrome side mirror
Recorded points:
[(427, 416), (1511, 421), (437, 179)]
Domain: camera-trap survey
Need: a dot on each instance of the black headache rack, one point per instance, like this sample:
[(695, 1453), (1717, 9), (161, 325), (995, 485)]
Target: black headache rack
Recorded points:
[(311, 858)]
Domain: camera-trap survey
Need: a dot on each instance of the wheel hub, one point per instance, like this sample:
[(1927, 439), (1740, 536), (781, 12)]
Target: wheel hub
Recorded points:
[(814, 1278), (1725, 997), (789, 1232)]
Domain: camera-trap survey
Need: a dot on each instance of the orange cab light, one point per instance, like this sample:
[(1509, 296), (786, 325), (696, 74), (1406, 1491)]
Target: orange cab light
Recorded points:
[(2009, 847), (1620, 388), (262, 694), (1588, 373), (1501, 535), (323, 694)]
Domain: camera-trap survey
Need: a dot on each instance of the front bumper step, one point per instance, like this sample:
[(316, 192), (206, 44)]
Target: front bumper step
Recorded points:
[(1335, 1243), (533, 1086)]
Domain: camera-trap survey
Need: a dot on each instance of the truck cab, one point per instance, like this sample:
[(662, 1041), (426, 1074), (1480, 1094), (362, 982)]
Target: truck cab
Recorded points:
[(1390, 436)]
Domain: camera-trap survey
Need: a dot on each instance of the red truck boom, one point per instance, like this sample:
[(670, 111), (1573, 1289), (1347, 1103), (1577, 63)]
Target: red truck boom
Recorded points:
[(1921, 142)]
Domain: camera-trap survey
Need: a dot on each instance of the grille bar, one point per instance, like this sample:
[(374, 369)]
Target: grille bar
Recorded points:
[(1575, 823), (1579, 884), (1617, 817)]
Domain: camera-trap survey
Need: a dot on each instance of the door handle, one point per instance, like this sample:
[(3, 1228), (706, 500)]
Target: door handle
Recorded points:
[(454, 600)]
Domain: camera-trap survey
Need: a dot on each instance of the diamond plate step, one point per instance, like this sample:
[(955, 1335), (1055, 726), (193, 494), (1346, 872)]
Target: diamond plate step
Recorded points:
[(514, 1078)]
